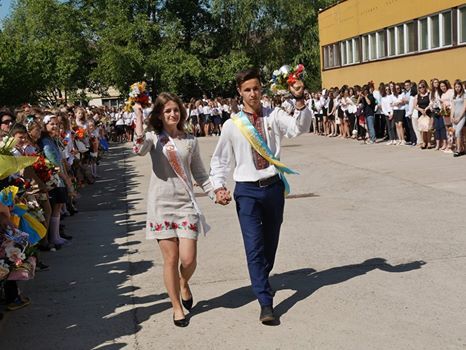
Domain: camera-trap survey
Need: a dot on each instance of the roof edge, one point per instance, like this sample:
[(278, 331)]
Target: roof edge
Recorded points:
[(335, 4)]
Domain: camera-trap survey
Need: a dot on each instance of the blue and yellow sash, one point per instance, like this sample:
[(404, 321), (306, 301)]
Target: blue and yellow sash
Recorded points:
[(257, 142)]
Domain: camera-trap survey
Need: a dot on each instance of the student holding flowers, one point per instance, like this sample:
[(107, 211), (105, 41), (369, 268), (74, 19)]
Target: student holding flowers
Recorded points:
[(174, 218), (251, 139)]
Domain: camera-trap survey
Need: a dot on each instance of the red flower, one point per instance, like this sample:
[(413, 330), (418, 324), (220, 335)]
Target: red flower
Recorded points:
[(167, 224), (158, 227), (193, 227), (184, 223), (174, 225)]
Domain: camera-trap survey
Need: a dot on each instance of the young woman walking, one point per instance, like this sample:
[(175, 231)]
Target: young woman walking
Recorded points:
[(173, 215)]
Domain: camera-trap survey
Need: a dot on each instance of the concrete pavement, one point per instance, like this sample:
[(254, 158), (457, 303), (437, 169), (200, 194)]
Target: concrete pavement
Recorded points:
[(372, 256)]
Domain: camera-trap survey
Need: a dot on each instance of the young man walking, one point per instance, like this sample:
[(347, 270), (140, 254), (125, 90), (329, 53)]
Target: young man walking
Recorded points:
[(251, 140)]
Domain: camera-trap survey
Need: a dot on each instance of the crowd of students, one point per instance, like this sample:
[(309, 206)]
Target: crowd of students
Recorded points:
[(427, 115), (431, 116), (59, 151)]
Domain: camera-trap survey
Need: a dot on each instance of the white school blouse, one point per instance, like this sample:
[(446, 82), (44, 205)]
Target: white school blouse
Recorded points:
[(233, 148)]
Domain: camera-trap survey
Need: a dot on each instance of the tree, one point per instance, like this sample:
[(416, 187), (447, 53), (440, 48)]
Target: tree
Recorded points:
[(45, 53), (189, 47)]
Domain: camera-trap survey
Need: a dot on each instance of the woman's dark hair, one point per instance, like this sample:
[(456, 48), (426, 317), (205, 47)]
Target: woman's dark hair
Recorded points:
[(155, 122), (434, 89), (446, 83), (8, 113), (413, 89), (382, 91), (247, 74), (458, 82), (423, 83)]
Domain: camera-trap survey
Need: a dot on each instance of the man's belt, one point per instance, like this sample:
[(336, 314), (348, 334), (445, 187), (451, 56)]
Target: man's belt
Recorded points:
[(265, 182)]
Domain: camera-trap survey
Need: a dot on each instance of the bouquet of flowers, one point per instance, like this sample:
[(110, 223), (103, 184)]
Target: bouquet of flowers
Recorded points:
[(284, 77), (445, 111), (80, 133), (10, 164), (14, 261), (46, 171), (137, 94)]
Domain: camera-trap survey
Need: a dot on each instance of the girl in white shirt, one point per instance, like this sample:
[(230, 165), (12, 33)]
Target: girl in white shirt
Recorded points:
[(399, 113), (207, 111), (386, 102)]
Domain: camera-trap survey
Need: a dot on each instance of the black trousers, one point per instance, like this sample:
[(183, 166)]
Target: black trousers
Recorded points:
[(379, 125), (411, 135), (11, 291)]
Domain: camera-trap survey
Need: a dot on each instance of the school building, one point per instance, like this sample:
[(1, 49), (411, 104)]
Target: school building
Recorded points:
[(392, 40)]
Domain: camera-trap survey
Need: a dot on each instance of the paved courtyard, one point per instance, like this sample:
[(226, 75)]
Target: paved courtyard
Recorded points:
[(372, 256)]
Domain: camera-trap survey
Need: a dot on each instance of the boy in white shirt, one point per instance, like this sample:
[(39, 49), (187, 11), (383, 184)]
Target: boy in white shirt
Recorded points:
[(260, 187)]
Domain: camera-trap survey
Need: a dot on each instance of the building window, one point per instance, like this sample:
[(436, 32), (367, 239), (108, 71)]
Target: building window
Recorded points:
[(429, 33), (391, 41), (410, 37), (349, 51), (446, 29), (434, 32), (356, 57), (325, 58), (400, 40), (336, 55), (381, 44), (462, 25), (372, 47), (423, 35), (343, 53), (365, 48), (330, 56)]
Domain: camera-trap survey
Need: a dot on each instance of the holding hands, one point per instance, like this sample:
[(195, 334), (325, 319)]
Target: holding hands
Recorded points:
[(222, 196)]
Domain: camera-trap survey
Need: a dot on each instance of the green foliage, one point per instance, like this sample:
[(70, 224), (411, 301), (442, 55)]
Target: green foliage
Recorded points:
[(49, 48), (44, 52)]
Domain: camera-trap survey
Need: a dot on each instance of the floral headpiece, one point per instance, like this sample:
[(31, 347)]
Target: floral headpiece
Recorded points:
[(137, 94), (284, 77)]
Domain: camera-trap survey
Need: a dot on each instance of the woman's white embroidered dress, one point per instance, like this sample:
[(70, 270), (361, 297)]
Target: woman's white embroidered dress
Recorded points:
[(170, 211)]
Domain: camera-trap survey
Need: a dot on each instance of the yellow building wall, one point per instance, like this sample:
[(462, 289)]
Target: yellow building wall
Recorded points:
[(447, 64), (355, 17)]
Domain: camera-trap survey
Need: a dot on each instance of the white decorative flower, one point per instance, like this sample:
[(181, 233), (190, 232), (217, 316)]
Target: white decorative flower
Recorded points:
[(134, 91), (14, 254)]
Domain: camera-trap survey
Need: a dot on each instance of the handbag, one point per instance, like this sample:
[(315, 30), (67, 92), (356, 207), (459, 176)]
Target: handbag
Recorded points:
[(352, 109), (424, 123)]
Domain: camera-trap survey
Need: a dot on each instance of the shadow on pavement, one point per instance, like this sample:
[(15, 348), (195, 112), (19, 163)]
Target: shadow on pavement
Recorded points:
[(87, 298), (304, 282)]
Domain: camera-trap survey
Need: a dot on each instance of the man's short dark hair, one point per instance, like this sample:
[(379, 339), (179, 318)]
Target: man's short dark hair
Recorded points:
[(247, 74), (18, 129)]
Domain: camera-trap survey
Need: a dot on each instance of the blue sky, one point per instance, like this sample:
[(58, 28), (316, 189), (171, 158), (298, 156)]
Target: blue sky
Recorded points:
[(5, 8)]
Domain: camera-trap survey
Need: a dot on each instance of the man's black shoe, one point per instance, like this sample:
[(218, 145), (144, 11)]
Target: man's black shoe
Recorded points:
[(267, 315)]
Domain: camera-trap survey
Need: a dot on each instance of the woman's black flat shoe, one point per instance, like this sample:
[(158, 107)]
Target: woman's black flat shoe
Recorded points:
[(188, 304), (181, 323)]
